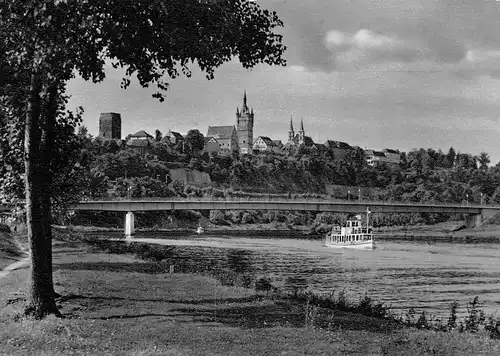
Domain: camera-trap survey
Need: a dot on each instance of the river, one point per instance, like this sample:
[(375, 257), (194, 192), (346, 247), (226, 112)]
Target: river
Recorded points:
[(402, 274)]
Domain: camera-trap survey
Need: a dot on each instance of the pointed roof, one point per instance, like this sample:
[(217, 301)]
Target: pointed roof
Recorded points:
[(291, 124), (301, 124), (220, 132), (177, 135), (266, 140), (141, 134), (338, 144), (244, 99), (320, 147), (209, 139), (389, 150)]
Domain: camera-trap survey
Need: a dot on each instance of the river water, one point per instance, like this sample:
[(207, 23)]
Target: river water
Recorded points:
[(402, 274)]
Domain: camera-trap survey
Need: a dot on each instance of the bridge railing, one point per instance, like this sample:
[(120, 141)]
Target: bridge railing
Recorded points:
[(309, 200)]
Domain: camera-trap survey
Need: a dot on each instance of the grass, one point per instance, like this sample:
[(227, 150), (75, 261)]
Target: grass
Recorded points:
[(116, 304)]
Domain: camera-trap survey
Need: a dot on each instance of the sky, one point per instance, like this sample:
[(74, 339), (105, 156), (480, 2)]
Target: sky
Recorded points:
[(398, 74)]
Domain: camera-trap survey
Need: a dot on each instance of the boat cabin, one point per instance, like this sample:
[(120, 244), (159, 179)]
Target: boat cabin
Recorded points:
[(352, 232), (353, 227)]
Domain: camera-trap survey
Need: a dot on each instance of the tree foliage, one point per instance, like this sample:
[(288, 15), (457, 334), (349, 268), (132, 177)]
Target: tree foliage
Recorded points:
[(195, 141)]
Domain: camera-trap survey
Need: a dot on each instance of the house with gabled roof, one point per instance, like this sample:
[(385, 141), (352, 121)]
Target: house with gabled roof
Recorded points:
[(140, 140), (264, 143), (211, 145), (393, 156), (174, 137), (278, 144), (226, 136), (374, 157), (338, 148), (319, 147)]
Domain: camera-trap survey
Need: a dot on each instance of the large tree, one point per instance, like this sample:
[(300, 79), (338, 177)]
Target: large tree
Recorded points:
[(195, 141), (44, 44)]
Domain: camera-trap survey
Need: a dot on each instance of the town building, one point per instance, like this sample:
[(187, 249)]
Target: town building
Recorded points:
[(174, 137), (392, 156), (339, 149), (278, 144), (387, 156), (264, 143), (141, 140), (211, 145), (244, 125), (319, 147), (226, 136), (110, 126)]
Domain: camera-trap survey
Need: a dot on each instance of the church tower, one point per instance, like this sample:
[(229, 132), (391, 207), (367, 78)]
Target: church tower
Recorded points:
[(291, 132), (244, 127), (302, 133)]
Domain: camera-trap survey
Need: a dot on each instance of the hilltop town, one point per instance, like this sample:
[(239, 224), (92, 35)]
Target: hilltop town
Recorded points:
[(239, 138)]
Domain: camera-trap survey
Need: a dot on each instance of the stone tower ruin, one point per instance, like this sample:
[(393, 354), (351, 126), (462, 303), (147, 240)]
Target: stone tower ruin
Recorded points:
[(110, 126)]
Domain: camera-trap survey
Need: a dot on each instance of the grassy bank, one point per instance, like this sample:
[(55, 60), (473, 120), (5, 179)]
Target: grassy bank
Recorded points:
[(119, 305), (10, 250)]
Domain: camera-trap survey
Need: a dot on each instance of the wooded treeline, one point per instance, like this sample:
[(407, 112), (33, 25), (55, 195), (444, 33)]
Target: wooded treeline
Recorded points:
[(424, 175)]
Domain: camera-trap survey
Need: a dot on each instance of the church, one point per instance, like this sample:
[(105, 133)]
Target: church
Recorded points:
[(239, 138), (299, 139)]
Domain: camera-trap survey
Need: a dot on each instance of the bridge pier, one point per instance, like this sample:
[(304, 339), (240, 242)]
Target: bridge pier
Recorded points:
[(473, 220), (129, 224), (476, 220)]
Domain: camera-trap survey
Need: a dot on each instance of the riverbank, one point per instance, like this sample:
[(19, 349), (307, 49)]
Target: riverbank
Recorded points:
[(446, 231), (117, 304), (452, 231)]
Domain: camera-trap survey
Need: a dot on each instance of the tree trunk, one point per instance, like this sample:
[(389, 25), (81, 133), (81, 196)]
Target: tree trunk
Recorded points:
[(41, 292), (46, 150)]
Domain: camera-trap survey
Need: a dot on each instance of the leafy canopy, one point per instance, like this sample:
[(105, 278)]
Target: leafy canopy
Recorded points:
[(151, 39)]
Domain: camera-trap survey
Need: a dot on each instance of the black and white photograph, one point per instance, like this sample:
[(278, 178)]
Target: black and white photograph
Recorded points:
[(249, 177)]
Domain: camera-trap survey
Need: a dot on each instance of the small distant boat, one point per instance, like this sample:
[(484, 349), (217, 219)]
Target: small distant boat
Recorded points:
[(200, 230), (352, 236)]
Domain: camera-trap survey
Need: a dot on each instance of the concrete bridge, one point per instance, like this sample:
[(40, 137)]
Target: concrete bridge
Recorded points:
[(475, 214)]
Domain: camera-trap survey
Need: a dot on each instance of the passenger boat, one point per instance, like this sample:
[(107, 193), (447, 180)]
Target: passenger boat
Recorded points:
[(353, 235)]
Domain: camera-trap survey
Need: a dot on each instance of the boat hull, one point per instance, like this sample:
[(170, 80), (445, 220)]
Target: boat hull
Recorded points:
[(356, 245)]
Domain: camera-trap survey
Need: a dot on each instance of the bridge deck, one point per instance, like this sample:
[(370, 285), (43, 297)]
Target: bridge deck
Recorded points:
[(286, 205)]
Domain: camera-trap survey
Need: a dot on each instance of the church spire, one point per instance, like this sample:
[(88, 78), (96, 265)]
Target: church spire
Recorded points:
[(302, 124), (237, 111), (244, 100), (291, 132)]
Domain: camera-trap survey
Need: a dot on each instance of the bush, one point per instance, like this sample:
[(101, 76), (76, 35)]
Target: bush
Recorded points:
[(5, 229), (217, 215)]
